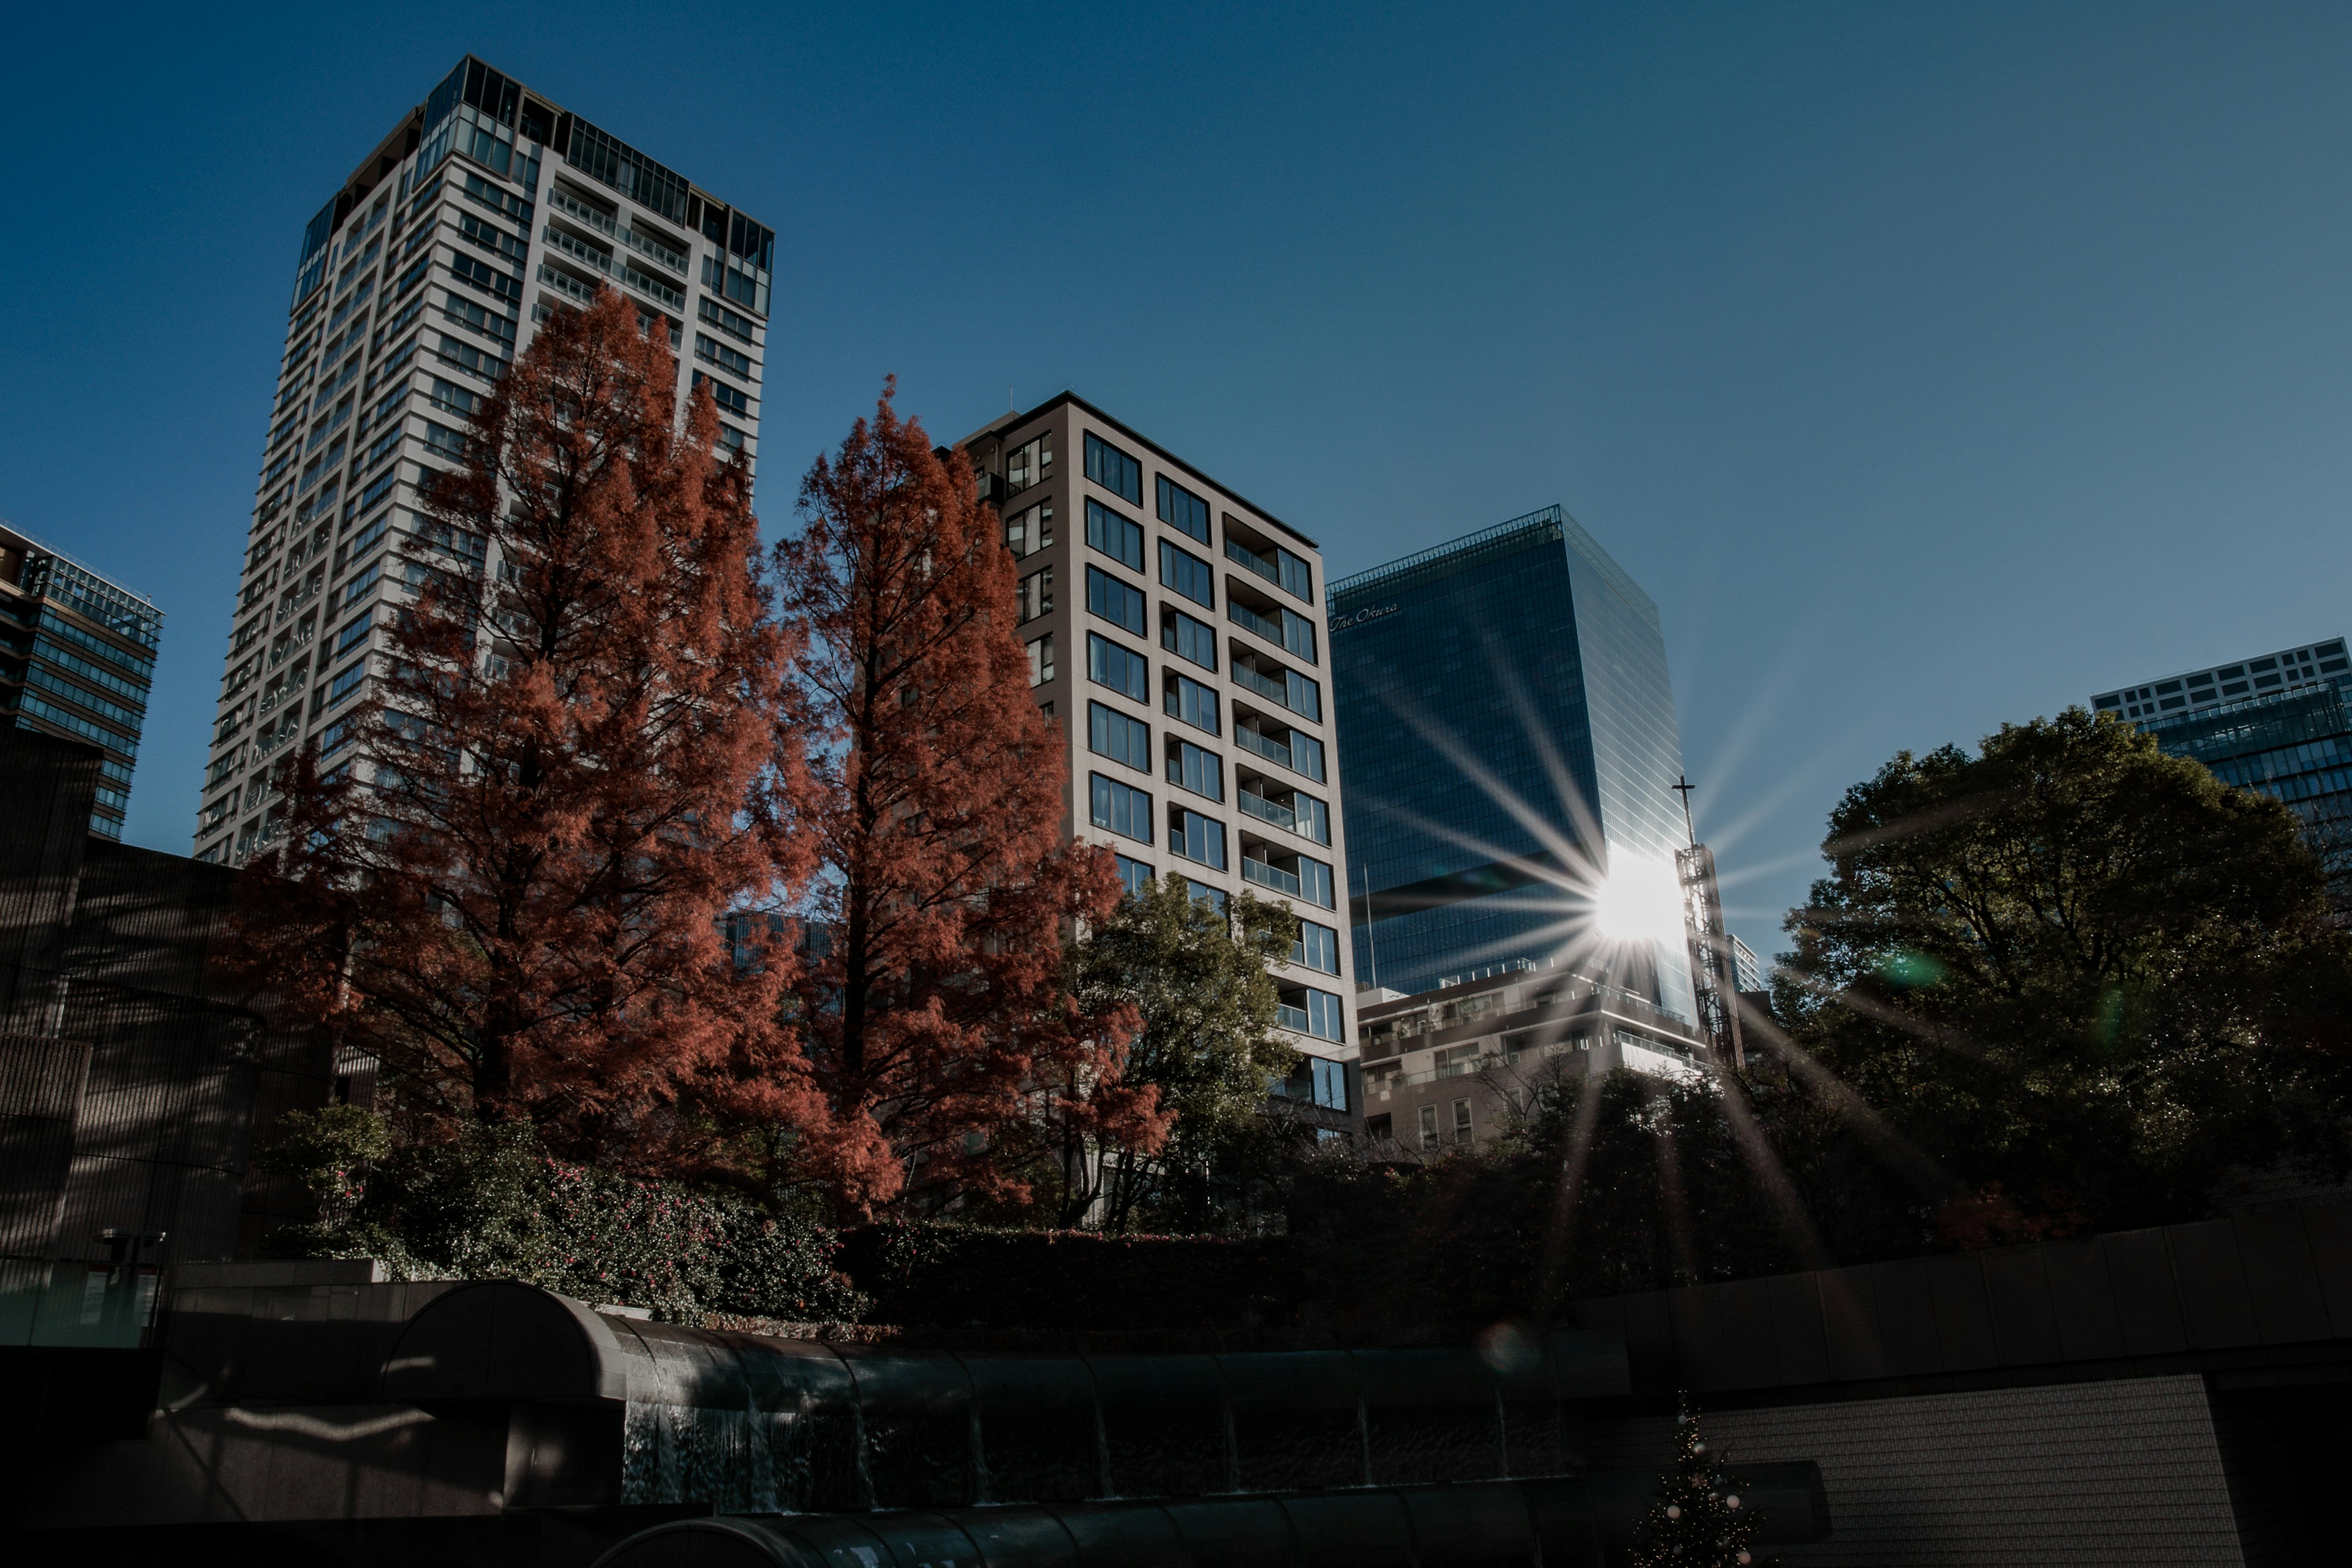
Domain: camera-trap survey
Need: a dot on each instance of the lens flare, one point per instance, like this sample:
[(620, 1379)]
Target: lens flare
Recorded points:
[(1640, 901)]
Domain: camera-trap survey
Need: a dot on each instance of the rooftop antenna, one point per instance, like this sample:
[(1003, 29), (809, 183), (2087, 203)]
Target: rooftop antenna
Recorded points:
[(1009, 407), (1682, 786)]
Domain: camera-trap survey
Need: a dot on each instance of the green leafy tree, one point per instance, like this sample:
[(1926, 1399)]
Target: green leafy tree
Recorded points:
[(1197, 976), (1699, 1520), (2069, 981), (489, 1204)]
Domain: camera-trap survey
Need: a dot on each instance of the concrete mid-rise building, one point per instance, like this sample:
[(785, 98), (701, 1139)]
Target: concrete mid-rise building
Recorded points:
[(487, 208), (1177, 637), (1448, 1067), (77, 661)]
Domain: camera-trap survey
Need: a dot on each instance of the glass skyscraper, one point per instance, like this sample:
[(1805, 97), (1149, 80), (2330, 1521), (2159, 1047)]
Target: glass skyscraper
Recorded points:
[(77, 657), (1507, 739), (2280, 723)]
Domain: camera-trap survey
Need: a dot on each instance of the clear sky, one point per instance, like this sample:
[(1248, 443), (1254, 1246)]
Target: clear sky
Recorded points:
[(1932, 366)]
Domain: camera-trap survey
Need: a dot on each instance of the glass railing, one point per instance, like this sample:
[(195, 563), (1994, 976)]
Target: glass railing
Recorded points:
[(1249, 619), (1272, 690), (1257, 805), (602, 260), (654, 286), (1289, 1017), (1272, 751), (655, 249), (1265, 875), (1241, 555), (579, 210), (577, 289)]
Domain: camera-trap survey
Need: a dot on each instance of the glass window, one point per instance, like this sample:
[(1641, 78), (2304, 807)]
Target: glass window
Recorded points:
[(1318, 948), (1186, 699), (1188, 640), (1132, 874), (1325, 1019), (1188, 574), (1306, 755), (1429, 1127), (1312, 817), (353, 635), (1122, 669), (1114, 469), (1201, 772), (1029, 464), (1114, 535), (1461, 1122), (1114, 601), (1027, 532), (1196, 837), (1120, 808), (1204, 894), (1180, 509), (1037, 594), (1315, 881), (1111, 733), (1041, 659)]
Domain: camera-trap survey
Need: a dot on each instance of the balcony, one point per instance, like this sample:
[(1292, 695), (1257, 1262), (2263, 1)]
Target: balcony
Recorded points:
[(578, 249), (1289, 1017), (1292, 690), (654, 250), (1265, 810), (568, 284), (579, 210), (1250, 620), (1267, 876), (1239, 555), (1272, 751)]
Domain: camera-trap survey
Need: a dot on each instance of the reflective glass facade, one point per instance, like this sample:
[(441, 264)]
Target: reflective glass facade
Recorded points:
[(1506, 730), (76, 659), (2296, 747)]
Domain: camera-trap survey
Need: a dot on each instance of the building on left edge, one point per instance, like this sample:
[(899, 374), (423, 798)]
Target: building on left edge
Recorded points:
[(76, 658), (486, 209)]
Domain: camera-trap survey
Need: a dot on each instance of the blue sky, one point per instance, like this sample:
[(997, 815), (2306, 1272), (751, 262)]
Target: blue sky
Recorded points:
[(1932, 366)]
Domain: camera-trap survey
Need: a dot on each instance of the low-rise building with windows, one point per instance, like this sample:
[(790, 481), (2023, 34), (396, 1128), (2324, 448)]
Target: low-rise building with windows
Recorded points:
[(1177, 637), (1445, 1068), (77, 661)]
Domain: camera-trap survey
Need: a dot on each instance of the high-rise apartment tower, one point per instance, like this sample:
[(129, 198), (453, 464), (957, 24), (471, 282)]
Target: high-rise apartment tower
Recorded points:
[(1509, 744), (487, 208), (77, 656), (1176, 637)]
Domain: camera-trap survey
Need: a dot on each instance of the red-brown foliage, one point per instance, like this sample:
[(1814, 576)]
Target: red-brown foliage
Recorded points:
[(933, 1005), (510, 886)]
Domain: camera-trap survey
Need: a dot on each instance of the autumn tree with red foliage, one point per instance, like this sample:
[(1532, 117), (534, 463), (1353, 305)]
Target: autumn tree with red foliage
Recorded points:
[(510, 887), (933, 1008)]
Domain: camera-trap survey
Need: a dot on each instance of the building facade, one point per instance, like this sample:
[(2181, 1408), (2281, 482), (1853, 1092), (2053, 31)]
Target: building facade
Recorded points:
[(1177, 639), (486, 209), (2280, 723), (1509, 744), (76, 659), (1448, 1067)]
